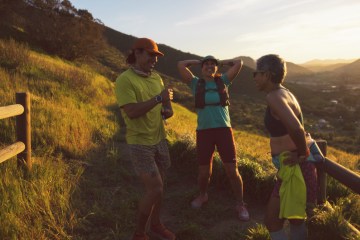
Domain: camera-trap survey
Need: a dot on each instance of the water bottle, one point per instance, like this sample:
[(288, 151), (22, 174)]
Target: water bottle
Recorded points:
[(166, 110), (315, 152)]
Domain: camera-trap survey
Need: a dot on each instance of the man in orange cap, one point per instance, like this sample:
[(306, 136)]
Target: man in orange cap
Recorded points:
[(142, 98)]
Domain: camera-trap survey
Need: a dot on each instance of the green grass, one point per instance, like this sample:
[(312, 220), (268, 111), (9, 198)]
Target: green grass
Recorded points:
[(82, 185), (332, 223), (72, 116), (259, 232), (37, 206)]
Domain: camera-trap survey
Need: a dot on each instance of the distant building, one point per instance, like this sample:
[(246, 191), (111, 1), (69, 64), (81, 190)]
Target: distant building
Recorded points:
[(322, 123)]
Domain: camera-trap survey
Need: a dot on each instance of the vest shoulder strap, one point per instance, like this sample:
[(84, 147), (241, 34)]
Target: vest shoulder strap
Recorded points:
[(201, 91)]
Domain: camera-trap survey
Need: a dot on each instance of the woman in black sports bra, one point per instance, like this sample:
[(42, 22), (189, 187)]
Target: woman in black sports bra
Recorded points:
[(283, 120)]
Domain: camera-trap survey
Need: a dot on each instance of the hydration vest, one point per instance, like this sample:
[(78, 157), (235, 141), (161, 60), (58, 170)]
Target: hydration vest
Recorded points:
[(220, 88)]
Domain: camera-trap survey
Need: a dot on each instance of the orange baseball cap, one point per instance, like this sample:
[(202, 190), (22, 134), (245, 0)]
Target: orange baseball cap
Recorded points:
[(148, 45)]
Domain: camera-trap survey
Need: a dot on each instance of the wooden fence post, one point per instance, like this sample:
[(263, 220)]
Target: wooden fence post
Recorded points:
[(23, 129), (321, 174)]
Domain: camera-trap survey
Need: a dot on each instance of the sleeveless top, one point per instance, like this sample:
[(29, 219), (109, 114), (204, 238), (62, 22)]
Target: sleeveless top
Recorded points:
[(275, 127), (213, 115)]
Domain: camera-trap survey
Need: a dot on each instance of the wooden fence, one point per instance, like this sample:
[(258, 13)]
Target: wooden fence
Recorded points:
[(345, 176), (22, 147)]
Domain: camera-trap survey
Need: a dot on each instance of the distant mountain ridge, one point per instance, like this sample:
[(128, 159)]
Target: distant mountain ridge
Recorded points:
[(326, 65), (167, 64), (295, 70), (353, 68), (328, 61)]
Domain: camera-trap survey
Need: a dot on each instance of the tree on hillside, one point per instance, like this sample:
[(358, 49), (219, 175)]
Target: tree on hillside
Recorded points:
[(9, 11), (63, 30), (55, 26)]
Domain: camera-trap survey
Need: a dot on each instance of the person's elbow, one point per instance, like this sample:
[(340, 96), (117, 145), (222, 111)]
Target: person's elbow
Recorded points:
[(297, 130), (130, 112), (181, 64), (168, 114), (181, 67), (131, 115)]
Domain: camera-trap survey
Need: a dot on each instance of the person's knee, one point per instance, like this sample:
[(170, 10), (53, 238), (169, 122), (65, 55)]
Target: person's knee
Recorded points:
[(233, 175), (204, 174), (267, 222), (273, 226), (231, 170), (155, 190), (156, 193), (204, 177)]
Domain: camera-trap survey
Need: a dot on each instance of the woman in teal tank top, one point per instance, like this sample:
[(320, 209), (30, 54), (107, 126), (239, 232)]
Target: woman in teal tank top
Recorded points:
[(213, 124)]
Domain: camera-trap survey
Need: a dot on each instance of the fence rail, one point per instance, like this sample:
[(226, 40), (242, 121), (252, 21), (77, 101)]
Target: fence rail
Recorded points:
[(11, 111), (11, 151), (22, 147), (345, 176)]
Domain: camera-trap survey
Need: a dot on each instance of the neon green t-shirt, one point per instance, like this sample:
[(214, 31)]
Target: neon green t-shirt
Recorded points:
[(147, 129), (292, 191)]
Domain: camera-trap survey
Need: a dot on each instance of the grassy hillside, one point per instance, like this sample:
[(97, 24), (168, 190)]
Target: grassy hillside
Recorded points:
[(71, 117), (82, 185), (107, 52)]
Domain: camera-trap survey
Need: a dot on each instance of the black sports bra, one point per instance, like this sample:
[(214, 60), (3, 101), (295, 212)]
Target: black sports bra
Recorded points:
[(275, 127)]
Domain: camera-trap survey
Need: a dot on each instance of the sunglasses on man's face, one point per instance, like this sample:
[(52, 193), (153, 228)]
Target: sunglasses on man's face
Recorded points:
[(256, 72)]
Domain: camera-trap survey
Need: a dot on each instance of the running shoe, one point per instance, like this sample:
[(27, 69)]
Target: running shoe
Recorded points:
[(243, 213), (199, 201)]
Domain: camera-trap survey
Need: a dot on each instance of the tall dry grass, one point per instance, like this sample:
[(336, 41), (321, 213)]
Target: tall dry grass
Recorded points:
[(82, 186), (72, 115)]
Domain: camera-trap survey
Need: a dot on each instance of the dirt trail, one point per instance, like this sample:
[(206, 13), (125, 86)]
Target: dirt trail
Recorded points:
[(218, 218)]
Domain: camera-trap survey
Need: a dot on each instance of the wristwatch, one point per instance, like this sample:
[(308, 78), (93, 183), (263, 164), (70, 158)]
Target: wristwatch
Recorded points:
[(158, 99)]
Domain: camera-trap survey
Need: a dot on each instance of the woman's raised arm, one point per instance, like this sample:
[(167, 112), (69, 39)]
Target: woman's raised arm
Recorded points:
[(183, 67)]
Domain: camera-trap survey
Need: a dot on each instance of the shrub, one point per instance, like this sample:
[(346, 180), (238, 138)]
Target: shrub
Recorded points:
[(219, 177), (259, 232), (336, 190), (351, 208), (257, 183), (329, 223), (38, 206), (183, 155), (13, 55)]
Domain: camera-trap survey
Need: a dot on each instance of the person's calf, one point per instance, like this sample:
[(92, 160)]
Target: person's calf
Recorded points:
[(278, 235)]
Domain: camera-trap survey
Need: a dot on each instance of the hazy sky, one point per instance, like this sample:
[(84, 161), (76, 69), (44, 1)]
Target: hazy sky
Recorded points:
[(299, 31)]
